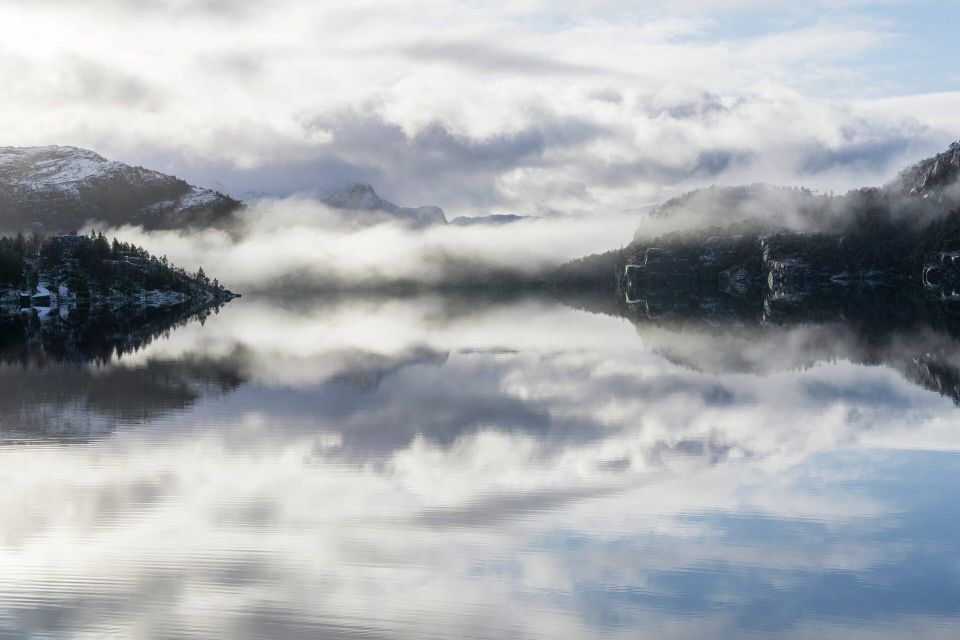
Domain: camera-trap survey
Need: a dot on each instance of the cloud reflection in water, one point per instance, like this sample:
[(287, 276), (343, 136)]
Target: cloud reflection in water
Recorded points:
[(426, 468)]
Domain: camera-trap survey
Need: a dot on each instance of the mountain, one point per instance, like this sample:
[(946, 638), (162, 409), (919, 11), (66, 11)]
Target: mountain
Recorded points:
[(934, 178), (923, 190), (65, 187), (773, 244), (370, 208)]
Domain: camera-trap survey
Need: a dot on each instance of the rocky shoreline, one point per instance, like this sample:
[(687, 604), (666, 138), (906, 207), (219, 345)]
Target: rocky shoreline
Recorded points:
[(63, 274), (777, 266)]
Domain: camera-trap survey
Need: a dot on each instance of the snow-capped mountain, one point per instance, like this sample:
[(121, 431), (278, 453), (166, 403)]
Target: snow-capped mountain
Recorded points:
[(65, 187), (363, 200)]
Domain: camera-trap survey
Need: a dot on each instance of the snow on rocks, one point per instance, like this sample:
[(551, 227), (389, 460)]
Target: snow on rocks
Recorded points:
[(63, 187)]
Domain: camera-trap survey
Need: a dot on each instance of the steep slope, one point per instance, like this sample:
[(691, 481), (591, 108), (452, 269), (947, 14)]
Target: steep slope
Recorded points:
[(65, 187), (923, 191), (934, 178), (773, 243), (370, 208)]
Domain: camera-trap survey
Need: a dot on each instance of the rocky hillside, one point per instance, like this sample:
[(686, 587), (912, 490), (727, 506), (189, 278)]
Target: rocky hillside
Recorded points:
[(65, 187), (60, 274), (768, 243), (934, 178), (366, 207), (767, 266)]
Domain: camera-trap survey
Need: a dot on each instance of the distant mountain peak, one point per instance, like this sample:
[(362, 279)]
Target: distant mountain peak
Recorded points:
[(362, 197), (356, 196)]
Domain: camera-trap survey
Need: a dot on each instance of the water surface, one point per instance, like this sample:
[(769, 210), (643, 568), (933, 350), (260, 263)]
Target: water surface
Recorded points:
[(448, 467)]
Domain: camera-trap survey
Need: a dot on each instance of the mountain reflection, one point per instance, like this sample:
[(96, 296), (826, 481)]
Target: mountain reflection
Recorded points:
[(63, 376), (95, 335), (912, 334), (523, 466), (374, 366)]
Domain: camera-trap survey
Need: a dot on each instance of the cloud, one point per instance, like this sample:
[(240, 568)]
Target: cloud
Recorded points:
[(870, 154), (306, 245), (524, 107), (480, 56)]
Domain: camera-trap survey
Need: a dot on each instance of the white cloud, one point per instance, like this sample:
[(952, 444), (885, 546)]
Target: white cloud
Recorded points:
[(472, 106), (302, 239)]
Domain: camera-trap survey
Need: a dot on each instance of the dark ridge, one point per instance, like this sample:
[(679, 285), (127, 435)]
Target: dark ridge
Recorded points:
[(63, 188)]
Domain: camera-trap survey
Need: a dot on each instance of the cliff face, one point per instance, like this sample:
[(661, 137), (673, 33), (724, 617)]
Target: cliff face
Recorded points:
[(934, 178), (65, 187), (769, 269)]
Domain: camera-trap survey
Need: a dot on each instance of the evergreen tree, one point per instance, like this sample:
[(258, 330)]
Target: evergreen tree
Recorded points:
[(102, 246), (11, 264)]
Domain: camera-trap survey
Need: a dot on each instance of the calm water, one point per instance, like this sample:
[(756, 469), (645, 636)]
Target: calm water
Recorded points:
[(451, 468)]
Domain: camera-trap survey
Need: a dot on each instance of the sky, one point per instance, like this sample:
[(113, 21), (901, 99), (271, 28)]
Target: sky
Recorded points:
[(528, 106)]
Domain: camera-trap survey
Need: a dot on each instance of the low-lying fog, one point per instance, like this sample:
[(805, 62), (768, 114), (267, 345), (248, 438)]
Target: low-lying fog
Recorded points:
[(305, 243)]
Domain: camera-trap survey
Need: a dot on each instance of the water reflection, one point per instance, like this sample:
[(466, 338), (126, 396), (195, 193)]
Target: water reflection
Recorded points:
[(65, 376), (460, 467)]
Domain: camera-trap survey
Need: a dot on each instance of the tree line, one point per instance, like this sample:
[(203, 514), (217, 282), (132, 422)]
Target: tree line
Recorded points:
[(93, 265)]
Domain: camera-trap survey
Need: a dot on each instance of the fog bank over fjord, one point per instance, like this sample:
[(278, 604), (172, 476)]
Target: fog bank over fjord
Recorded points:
[(302, 242)]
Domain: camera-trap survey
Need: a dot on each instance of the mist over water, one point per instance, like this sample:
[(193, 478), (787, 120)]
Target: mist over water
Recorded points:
[(302, 243), (443, 466)]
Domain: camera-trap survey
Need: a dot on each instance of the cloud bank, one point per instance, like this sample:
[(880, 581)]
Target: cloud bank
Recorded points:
[(299, 243), (528, 107)]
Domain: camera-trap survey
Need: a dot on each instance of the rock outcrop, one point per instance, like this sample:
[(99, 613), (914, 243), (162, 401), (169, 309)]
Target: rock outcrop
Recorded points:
[(764, 267), (934, 178)]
